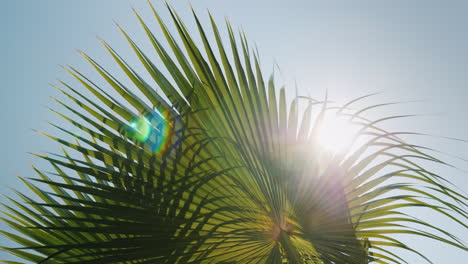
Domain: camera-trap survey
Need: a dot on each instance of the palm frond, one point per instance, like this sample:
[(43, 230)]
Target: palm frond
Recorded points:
[(219, 167)]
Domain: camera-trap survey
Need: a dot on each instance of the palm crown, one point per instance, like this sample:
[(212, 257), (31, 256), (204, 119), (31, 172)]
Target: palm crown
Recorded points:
[(218, 167)]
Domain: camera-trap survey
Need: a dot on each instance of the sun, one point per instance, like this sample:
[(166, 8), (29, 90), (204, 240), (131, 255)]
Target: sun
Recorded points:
[(336, 132)]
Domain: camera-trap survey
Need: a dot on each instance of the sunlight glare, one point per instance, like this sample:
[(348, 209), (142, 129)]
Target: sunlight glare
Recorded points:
[(336, 133)]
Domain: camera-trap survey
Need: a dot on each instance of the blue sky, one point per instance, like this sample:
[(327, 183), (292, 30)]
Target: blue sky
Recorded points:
[(408, 50)]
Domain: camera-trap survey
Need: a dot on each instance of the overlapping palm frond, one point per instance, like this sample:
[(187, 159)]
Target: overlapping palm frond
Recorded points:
[(218, 167)]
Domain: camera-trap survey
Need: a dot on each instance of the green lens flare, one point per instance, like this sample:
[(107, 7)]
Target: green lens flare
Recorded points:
[(141, 129), (153, 130)]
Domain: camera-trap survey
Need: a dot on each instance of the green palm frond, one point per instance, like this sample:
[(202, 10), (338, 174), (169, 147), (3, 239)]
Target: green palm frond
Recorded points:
[(219, 167)]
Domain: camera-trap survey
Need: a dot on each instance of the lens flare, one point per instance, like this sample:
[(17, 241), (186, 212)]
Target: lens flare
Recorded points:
[(153, 130), (141, 129)]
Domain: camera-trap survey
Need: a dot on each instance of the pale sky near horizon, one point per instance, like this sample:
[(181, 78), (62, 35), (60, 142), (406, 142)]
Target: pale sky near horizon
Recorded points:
[(407, 50)]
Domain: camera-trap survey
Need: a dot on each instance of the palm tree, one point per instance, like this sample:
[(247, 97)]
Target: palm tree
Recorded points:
[(217, 166)]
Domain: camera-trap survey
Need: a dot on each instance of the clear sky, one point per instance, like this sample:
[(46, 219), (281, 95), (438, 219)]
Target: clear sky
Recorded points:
[(408, 50)]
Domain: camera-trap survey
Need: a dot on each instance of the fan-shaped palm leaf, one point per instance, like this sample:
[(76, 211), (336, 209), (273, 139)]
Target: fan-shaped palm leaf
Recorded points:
[(218, 167)]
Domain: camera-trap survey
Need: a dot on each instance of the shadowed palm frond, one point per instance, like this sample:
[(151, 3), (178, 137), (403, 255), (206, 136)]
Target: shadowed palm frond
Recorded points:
[(217, 166)]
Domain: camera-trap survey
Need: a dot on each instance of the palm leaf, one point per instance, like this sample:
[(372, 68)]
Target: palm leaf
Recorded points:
[(219, 167)]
